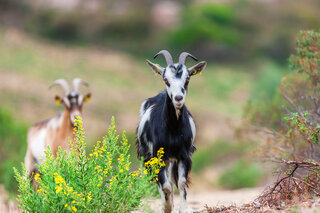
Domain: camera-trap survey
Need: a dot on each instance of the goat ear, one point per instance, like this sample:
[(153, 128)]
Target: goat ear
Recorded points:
[(156, 68), (197, 69), (87, 98), (58, 100)]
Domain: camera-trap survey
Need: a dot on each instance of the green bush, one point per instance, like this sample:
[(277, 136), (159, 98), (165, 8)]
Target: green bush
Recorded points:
[(268, 81), (263, 108), (98, 182), (220, 149), (293, 144), (205, 23), (242, 174), (12, 150)]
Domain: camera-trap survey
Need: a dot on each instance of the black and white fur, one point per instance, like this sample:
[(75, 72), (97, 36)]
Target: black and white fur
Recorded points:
[(166, 122)]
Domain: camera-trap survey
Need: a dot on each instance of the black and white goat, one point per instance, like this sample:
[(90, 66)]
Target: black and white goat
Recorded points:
[(166, 122)]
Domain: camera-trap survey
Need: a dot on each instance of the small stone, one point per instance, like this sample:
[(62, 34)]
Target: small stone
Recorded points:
[(256, 205)]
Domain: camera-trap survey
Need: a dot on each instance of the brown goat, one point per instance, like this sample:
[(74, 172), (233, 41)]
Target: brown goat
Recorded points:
[(55, 131)]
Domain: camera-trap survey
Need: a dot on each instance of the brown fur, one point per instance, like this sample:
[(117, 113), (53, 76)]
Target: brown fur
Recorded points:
[(53, 138)]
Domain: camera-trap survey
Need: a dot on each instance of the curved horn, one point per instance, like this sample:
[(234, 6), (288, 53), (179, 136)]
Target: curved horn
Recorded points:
[(76, 83), (183, 56), (63, 83), (166, 55)]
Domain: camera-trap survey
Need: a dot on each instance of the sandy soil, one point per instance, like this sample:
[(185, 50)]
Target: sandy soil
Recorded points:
[(197, 200)]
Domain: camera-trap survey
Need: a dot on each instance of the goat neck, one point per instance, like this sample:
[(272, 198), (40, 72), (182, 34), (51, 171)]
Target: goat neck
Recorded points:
[(170, 113)]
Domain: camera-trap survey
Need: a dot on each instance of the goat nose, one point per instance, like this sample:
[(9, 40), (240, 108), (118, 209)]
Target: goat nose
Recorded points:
[(178, 98)]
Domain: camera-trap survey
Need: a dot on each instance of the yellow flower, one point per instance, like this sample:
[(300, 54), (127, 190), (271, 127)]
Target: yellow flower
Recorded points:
[(73, 201), (157, 171), (58, 179), (89, 198), (99, 185), (74, 209), (65, 206), (121, 170), (37, 177)]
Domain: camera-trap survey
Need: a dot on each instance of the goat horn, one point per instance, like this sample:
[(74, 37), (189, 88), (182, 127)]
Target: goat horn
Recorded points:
[(166, 55), (76, 83), (183, 56), (63, 83)]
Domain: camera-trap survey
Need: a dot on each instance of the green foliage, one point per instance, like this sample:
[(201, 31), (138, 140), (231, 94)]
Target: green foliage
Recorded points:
[(216, 152), (203, 23), (268, 81), (215, 30), (296, 101), (12, 150), (300, 126), (260, 112), (294, 142), (98, 182), (242, 174), (263, 108), (56, 25), (75, 25), (295, 209), (307, 59)]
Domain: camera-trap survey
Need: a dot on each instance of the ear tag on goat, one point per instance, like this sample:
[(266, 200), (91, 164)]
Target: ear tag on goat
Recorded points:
[(87, 99), (155, 70), (58, 101)]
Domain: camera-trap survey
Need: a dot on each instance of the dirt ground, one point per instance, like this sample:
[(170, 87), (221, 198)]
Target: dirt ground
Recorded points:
[(196, 200)]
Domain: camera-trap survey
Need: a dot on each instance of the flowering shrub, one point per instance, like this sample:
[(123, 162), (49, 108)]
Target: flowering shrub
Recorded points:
[(99, 182), (292, 138)]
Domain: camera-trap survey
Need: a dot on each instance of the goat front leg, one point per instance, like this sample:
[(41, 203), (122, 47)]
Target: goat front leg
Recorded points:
[(184, 167), (166, 189)]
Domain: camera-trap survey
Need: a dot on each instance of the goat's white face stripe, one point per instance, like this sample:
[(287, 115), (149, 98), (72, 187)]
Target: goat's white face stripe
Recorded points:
[(176, 85)]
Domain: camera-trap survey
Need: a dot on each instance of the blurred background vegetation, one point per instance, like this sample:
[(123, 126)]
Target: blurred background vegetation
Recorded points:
[(246, 43)]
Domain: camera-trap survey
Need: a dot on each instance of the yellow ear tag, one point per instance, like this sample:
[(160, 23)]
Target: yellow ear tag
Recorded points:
[(194, 72), (58, 101), (86, 99), (200, 73), (156, 71)]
